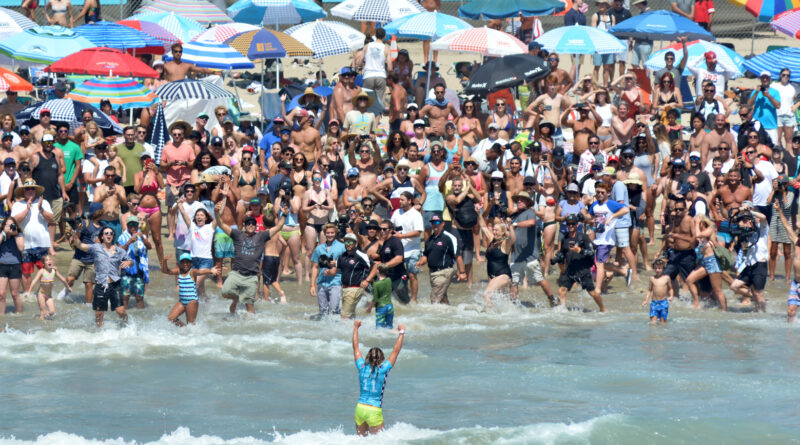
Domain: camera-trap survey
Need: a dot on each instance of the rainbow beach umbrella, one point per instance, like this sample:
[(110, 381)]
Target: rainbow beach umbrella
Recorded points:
[(123, 93), (764, 11), (153, 30), (185, 29)]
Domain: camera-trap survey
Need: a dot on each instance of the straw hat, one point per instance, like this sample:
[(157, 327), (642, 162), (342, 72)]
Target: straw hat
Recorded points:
[(634, 178), (370, 100), (183, 124), (309, 96), (525, 196), (29, 184)]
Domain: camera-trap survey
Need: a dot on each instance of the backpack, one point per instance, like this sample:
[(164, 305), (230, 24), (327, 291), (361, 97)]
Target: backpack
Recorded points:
[(723, 258), (465, 214)]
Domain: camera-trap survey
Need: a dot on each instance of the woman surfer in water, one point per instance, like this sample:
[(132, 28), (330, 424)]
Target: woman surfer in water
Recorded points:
[(372, 373)]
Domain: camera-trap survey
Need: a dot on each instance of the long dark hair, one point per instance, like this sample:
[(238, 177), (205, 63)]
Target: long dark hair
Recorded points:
[(198, 165), (374, 358)]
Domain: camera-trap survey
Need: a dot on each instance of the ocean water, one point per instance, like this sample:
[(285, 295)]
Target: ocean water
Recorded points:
[(515, 375)]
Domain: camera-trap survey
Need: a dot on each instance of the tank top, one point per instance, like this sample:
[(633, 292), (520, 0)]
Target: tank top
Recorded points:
[(643, 161), (374, 60), (46, 174), (186, 289), (603, 21), (569, 209), (434, 200), (497, 262), (397, 189), (605, 113)]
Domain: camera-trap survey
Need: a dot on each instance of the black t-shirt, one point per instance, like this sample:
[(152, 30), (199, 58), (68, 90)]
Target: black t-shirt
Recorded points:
[(248, 251), (703, 181), (442, 250), (791, 164), (354, 267), (619, 16), (578, 261), (390, 249)]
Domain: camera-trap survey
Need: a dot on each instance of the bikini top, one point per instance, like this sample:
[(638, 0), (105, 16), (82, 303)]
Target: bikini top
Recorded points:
[(150, 188), (508, 124), (243, 181), (48, 277)]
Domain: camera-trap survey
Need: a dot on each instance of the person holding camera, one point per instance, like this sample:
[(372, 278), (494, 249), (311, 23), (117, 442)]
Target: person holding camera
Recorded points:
[(585, 126), (781, 200), (751, 264), (577, 253), (326, 279), (765, 101)]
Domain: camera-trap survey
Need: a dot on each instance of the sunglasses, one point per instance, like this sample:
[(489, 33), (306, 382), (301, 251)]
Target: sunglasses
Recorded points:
[(403, 168), (249, 223), (317, 179), (189, 191), (368, 206), (594, 142), (110, 176), (385, 229), (784, 75), (63, 131), (435, 223)]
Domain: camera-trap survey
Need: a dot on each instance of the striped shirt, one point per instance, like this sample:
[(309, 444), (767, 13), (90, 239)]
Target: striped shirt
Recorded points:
[(106, 265)]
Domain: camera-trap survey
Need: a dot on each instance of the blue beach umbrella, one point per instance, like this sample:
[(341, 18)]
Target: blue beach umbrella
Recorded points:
[(774, 61), (275, 12), (660, 25), (581, 40), (726, 57), (425, 25), (113, 35), (216, 56), (44, 44), (499, 9)]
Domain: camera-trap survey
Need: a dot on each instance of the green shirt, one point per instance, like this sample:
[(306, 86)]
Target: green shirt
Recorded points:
[(72, 153), (130, 157), (382, 292)]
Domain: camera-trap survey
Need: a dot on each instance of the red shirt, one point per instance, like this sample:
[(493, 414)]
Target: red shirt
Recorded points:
[(703, 10)]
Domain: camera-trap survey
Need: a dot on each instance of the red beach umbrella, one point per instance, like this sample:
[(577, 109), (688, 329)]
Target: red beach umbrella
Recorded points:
[(102, 62)]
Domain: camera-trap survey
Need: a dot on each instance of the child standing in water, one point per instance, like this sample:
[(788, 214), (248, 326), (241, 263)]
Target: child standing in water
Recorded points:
[(187, 288), (661, 292), (382, 299), (46, 275)]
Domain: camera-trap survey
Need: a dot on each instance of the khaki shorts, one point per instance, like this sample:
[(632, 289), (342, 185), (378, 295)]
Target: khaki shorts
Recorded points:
[(245, 287), (531, 269), (440, 281), (57, 205), (350, 298), (78, 268)]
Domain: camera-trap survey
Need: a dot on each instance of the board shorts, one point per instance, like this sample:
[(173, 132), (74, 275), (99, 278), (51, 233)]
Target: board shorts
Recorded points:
[(794, 294), (411, 262), (384, 316), (659, 309), (223, 244), (582, 277), (10, 271), (107, 295), (680, 262), (755, 275), (78, 268), (623, 236), (371, 415), (602, 253), (532, 269), (133, 284), (242, 286), (269, 269), (33, 257), (350, 298)]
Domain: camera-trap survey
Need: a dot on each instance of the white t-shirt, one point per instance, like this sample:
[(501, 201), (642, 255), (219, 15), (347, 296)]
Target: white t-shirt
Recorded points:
[(726, 166), (762, 189), (202, 238), (34, 226), (602, 214), (758, 253), (5, 182), (701, 74), (182, 240), (405, 222), (88, 167), (787, 94), (375, 60)]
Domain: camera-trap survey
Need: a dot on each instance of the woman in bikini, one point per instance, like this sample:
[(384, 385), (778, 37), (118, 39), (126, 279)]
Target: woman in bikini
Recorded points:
[(544, 134), (607, 111), (415, 163), (668, 96), (318, 205), (407, 125), (61, 11), (706, 232), (291, 232), (354, 192), (301, 177), (546, 212), (147, 183), (468, 125), (248, 180), (28, 8), (503, 119), (419, 139), (454, 147)]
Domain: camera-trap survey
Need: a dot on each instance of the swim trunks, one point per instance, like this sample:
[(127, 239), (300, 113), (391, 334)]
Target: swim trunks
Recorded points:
[(223, 244), (133, 285), (384, 316), (269, 269), (371, 415), (659, 309)]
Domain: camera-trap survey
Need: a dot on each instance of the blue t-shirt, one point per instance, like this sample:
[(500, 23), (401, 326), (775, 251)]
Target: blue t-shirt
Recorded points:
[(763, 111), (266, 142), (372, 383), (619, 193), (333, 250)]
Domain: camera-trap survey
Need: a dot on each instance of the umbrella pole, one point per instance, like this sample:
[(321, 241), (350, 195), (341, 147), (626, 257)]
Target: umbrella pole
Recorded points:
[(278, 73), (428, 83), (120, 9), (753, 37)]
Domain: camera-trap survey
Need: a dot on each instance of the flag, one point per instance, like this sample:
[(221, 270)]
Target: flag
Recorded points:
[(538, 29)]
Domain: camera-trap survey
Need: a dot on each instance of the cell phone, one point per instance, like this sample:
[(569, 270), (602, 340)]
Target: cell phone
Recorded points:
[(457, 159), (364, 136)]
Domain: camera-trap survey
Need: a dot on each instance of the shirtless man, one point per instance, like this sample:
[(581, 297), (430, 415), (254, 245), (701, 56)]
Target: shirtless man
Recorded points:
[(44, 126), (438, 111), (369, 162), (731, 195), (307, 138), (582, 128), (563, 78), (622, 126), (681, 240), (398, 102), (549, 104), (343, 94), (24, 150), (514, 177), (626, 167), (113, 197), (271, 262), (714, 138), (176, 69)]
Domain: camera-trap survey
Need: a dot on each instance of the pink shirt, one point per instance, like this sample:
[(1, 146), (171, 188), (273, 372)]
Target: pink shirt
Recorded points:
[(177, 175)]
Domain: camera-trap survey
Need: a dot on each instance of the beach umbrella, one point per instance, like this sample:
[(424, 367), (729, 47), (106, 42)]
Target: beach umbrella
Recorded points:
[(275, 12), (327, 38), (113, 35), (191, 89), (153, 30), (774, 61), (43, 44), (380, 11), (185, 29), (764, 11), (218, 56), (268, 44), (485, 41), (494, 9), (579, 39), (788, 22), (731, 62), (121, 92), (12, 22), (160, 135), (506, 72), (660, 25), (221, 33), (102, 62), (10, 81), (69, 111), (199, 10), (425, 25)]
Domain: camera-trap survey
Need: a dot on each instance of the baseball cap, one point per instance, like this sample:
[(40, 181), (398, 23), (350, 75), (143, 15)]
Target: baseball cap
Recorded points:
[(250, 220), (535, 45), (132, 219), (436, 219), (710, 56), (346, 70), (278, 120), (202, 115), (765, 73), (302, 112), (436, 143), (558, 152), (9, 161), (263, 191), (686, 188), (95, 206), (412, 105), (8, 135), (248, 149), (285, 164), (597, 166), (628, 151), (419, 122), (572, 187), (254, 201), (24, 129), (388, 167), (694, 154), (497, 175), (44, 111), (351, 237), (529, 180), (47, 138), (352, 172), (216, 140), (185, 257), (678, 162), (494, 126), (613, 158)]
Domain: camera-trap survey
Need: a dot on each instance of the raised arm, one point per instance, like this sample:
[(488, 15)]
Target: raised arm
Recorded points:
[(356, 350), (398, 344)]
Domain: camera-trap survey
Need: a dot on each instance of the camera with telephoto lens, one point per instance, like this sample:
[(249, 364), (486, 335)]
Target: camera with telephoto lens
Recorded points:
[(341, 226), (326, 262), (558, 258)]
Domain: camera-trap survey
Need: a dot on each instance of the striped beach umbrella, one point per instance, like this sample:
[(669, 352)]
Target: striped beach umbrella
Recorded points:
[(153, 30), (113, 35), (275, 12), (727, 58), (12, 22), (185, 29), (70, 111), (191, 89), (43, 44), (217, 56), (160, 135), (327, 38), (122, 93), (12, 82), (198, 10), (774, 61), (788, 22), (425, 25), (268, 44), (380, 11), (486, 41), (221, 33)]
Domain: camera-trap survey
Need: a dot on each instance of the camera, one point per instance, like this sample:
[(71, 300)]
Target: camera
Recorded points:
[(600, 228), (746, 234), (558, 258), (364, 137), (502, 210), (764, 88), (342, 225), (326, 262)]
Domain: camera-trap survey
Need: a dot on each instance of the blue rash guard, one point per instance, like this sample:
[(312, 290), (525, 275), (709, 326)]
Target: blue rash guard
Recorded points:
[(372, 383)]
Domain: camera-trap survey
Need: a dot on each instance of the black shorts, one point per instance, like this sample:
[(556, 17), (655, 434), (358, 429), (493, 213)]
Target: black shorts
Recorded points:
[(11, 271), (582, 277), (270, 266), (73, 194), (400, 291), (755, 276), (680, 261), (110, 294), (467, 241)]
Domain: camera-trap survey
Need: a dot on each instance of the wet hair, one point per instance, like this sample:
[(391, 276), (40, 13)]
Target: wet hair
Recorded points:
[(659, 262), (383, 269), (374, 358)]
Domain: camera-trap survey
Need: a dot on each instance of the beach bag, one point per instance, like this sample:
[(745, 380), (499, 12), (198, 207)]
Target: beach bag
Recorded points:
[(723, 256), (465, 214)]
